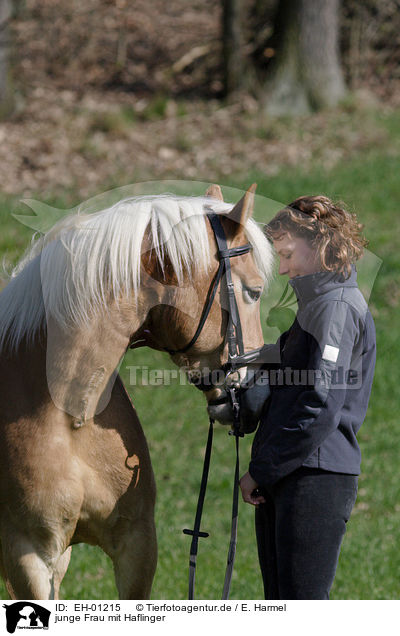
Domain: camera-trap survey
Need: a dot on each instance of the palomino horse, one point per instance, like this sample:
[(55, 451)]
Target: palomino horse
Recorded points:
[(74, 463)]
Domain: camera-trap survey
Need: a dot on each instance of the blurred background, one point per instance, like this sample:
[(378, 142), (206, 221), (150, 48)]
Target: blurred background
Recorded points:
[(106, 92), (301, 96)]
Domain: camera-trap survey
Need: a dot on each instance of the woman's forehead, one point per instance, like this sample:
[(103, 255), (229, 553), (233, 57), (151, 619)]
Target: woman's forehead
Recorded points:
[(288, 242), (284, 242)]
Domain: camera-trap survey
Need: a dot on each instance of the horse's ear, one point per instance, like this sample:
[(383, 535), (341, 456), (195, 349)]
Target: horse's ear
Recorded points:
[(215, 192), (243, 210)]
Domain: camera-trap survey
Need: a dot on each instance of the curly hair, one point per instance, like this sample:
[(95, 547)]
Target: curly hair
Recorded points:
[(327, 227)]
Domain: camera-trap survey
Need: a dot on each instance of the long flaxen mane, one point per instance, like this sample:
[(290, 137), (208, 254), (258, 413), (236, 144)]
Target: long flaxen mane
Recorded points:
[(73, 271)]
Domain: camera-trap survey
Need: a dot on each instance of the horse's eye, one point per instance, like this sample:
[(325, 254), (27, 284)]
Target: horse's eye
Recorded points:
[(251, 295)]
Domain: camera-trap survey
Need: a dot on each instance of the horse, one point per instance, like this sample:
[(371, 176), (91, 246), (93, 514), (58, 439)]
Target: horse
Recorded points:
[(74, 463)]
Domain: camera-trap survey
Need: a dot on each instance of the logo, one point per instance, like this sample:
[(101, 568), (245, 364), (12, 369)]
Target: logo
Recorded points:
[(25, 615)]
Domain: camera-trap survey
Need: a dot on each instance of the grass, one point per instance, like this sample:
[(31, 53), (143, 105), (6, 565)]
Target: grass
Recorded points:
[(175, 422)]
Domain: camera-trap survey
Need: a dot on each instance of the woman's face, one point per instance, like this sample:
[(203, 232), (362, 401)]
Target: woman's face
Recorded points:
[(296, 256)]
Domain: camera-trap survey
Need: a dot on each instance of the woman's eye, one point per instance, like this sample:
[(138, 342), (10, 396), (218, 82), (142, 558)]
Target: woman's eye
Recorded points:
[(251, 295)]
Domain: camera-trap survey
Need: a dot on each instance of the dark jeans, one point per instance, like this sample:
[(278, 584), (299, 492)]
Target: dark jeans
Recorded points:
[(299, 532)]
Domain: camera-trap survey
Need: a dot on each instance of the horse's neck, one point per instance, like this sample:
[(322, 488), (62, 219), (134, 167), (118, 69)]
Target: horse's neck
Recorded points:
[(77, 366), (81, 364)]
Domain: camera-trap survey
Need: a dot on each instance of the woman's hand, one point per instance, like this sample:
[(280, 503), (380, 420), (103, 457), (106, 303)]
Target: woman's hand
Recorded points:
[(249, 490)]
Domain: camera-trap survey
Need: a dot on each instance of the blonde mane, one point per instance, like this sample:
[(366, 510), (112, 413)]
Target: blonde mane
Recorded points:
[(73, 270)]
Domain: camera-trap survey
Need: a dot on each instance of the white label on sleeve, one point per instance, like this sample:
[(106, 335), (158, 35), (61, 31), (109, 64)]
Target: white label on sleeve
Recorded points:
[(330, 353)]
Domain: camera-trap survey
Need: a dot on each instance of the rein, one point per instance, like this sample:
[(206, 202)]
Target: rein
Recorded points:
[(196, 533)]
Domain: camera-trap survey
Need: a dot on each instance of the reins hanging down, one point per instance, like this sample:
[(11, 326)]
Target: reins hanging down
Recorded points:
[(196, 533)]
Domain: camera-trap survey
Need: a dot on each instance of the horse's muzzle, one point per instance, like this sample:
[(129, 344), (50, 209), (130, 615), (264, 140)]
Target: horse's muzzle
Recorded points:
[(253, 392), (220, 409)]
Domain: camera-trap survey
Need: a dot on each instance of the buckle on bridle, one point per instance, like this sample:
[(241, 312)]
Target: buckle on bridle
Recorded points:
[(231, 381), (235, 430)]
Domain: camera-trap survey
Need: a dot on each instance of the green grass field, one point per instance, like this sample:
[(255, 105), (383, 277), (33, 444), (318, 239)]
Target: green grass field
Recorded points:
[(175, 422)]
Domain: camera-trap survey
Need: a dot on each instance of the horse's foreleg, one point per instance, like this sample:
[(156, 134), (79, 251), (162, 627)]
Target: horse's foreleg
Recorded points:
[(27, 574), (60, 569), (135, 558)]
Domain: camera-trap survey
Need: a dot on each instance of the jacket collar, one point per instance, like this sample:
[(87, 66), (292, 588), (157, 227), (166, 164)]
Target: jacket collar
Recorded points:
[(312, 285)]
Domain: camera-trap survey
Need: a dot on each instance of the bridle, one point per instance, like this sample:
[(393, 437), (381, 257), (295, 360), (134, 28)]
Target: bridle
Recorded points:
[(236, 358), (234, 337)]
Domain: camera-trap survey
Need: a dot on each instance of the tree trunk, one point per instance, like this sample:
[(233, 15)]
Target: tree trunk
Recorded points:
[(306, 74), (6, 94), (232, 46)]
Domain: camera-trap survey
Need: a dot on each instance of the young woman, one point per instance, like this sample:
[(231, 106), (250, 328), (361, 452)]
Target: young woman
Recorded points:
[(305, 458)]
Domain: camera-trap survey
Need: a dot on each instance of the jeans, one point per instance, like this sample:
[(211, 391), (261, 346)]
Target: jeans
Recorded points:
[(300, 530)]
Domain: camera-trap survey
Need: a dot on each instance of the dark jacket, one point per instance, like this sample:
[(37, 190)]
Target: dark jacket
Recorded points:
[(321, 385)]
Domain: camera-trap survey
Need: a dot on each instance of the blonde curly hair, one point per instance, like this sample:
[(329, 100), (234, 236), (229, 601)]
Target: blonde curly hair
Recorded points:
[(327, 227)]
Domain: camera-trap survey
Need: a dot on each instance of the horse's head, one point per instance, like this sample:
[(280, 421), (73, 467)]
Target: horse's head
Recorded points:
[(197, 338), (149, 270)]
